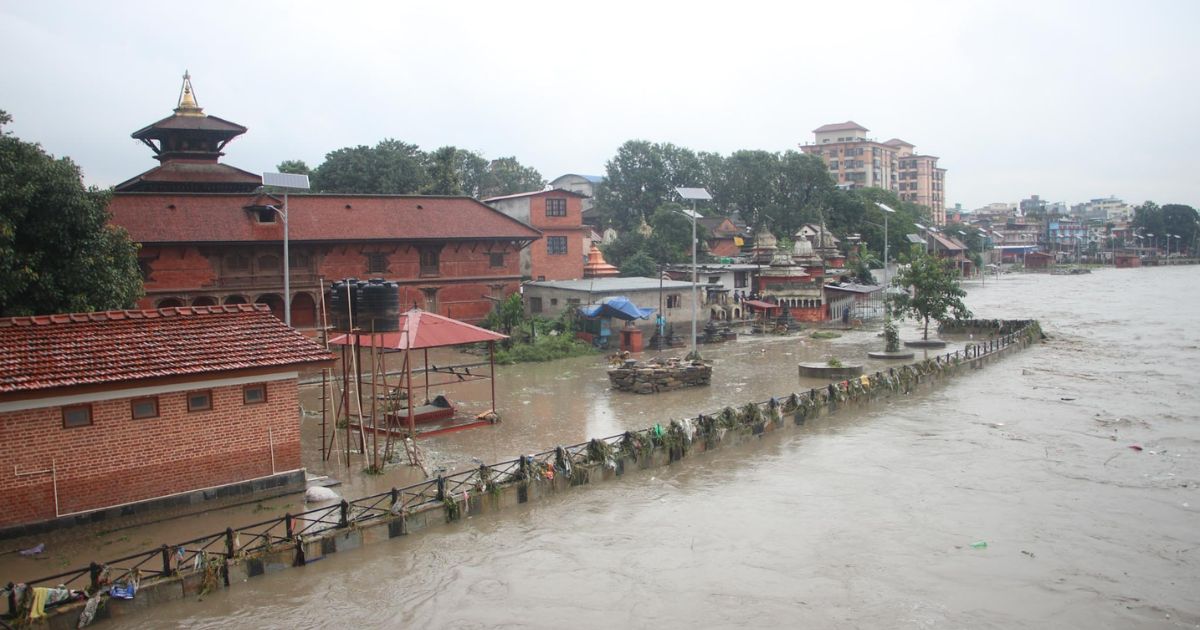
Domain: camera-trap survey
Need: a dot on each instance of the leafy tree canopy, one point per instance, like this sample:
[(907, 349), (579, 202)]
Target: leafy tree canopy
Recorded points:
[(392, 167), (933, 292), (507, 176), (640, 265), (58, 253), (1171, 218)]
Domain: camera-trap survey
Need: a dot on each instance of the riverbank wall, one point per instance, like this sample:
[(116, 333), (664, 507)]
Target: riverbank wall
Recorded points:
[(230, 558)]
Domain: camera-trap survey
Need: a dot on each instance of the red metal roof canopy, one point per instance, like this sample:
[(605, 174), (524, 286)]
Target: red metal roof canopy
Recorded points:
[(758, 304), (421, 329)]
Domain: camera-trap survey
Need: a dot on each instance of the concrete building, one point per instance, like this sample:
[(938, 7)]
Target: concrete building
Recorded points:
[(209, 236), (1105, 209), (583, 184), (557, 214), (718, 285), (126, 410), (551, 298), (857, 161)]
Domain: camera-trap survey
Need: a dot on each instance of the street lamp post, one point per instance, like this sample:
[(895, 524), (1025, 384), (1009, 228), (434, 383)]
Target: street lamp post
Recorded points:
[(886, 278), (694, 195), (285, 181)]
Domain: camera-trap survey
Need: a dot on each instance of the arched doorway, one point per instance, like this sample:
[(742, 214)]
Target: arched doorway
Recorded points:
[(169, 303), (204, 300), (304, 311), (274, 301), (235, 299)]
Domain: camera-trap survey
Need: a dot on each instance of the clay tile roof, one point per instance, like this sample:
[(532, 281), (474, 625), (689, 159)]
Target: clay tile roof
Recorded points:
[(221, 218), (846, 126), (193, 172), (51, 351)]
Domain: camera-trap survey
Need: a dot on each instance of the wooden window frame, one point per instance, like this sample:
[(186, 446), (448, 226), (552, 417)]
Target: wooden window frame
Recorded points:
[(495, 260), (67, 408), (430, 261), (133, 408), (377, 262), (192, 409), (556, 207), (554, 251), (246, 388)]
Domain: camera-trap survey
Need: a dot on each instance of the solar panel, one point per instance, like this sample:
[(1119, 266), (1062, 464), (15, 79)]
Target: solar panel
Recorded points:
[(285, 180), (694, 194)]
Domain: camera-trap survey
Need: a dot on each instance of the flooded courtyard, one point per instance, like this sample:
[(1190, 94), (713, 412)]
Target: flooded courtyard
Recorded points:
[(870, 518)]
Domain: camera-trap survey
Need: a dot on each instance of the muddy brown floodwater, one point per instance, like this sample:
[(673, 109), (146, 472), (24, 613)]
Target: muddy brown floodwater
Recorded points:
[(865, 519)]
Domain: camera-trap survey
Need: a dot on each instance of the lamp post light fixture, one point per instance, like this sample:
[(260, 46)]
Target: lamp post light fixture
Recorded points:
[(294, 182), (887, 312), (693, 195)]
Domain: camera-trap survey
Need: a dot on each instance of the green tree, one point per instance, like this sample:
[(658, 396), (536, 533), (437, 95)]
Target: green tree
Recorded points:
[(804, 186), (472, 171), (639, 265), (297, 167), (750, 184), (935, 292), (391, 167), (643, 176), (443, 168), (671, 240), (58, 254), (1180, 220), (626, 245), (507, 176)]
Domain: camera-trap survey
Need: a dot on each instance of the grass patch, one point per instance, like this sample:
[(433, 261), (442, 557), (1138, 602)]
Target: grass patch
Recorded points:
[(825, 334), (545, 348)]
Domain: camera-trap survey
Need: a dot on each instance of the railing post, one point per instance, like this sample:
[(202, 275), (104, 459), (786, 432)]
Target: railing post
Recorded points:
[(344, 514), (94, 574), (12, 599), (441, 488), (395, 500), (166, 560), (287, 525), (229, 550)]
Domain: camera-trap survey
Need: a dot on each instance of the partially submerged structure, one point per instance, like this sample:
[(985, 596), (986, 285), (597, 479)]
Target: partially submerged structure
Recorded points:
[(120, 411), (371, 402)]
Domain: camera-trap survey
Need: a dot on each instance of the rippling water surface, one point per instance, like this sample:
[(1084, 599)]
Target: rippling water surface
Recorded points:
[(860, 520)]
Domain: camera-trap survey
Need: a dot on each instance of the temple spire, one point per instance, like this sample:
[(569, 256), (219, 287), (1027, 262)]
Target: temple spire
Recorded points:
[(187, 98)]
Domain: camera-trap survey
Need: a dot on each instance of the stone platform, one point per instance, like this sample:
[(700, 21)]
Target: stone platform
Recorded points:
[(653, 377)]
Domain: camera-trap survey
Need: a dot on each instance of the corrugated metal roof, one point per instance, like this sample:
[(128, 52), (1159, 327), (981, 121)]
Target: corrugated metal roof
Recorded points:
[(421, 329), (610, 285)]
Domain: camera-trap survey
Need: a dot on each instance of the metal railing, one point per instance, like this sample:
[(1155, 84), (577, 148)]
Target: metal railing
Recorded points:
[(169, 560)]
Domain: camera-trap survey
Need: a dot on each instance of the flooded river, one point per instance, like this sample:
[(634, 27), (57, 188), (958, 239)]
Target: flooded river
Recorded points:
[(865, 519)]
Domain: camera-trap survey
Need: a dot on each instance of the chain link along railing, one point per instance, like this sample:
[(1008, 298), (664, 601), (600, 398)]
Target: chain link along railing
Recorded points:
[(211, 551)]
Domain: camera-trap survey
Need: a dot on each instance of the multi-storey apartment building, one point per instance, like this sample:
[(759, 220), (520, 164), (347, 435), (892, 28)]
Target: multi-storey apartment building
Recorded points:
[(856, 161)]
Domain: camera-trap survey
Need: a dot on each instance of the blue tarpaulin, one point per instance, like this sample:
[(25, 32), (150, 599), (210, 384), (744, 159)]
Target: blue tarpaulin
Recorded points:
[(616, 306)]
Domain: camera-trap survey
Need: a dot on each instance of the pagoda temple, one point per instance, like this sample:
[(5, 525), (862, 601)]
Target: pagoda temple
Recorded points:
[(188, 144)]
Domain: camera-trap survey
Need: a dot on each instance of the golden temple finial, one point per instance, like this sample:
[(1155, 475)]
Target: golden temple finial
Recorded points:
[(187, 99)]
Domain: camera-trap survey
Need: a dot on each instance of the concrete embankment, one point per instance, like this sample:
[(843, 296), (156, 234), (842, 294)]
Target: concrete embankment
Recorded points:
[(230, 558)]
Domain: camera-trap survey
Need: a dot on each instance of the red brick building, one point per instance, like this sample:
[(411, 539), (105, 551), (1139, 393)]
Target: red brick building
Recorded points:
[(210, 236), (723, 237), (558, 215), (123, 410)]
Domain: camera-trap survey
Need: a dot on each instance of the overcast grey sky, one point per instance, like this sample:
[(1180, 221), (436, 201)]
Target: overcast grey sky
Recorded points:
[(1069, 100)]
